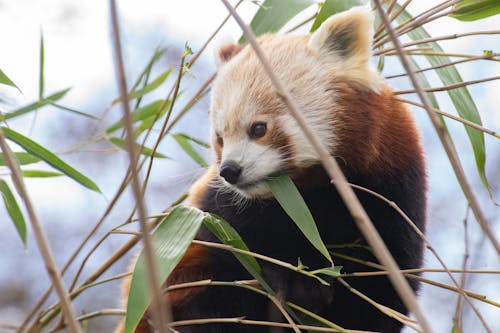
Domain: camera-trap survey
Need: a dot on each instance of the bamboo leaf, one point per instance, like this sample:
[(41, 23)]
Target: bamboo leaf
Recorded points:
[(147, 88), (50, 158), (147, 70), (331, 7), (41, 173), (184, 141), (170, 241), (286, 193), (144, 150), (195, 140), (142, 113), (13, 210), (22, 158), (229, 236), (330, 271), (471, 10), (463, 102), (274, 14), (41, 86), (80, 113), (36, 105), (4, 79)]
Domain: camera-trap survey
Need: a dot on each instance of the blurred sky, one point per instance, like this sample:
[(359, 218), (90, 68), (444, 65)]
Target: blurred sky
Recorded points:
[(78, 55)]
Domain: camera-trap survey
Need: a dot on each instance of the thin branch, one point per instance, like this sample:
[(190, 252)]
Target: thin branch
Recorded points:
[(161, 316), (459, 119), (455, 162), (393, 16), (457, 319), (428, 245), (450, 86), (356, 209), (415, 22), (453, 63), (440, 38), (479, 297), (258, 323), (41, 239), (405, 320)]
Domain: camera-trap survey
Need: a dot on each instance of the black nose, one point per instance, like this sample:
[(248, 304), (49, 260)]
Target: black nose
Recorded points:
[(230, 171)]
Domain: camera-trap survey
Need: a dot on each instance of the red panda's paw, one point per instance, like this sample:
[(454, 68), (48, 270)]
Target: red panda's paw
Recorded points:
[(299, 289)]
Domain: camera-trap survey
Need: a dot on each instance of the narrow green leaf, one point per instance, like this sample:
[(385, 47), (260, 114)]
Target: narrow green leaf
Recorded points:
[(170, 241), (65, 108), (331, 7), (142, 113), (147, 70), (22, 159), (41, 173), (41, 87), (147, 88), (50, 158), (144, 151), (471, 10), (461, 98), (274, 14), (291, 201), (33, 106), (195, 140), (330, 271), (229, 236), (4, 79), (13, 209), (184, 141)]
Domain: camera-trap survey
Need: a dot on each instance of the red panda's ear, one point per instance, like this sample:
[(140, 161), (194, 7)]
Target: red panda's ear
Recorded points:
[(226, 52), (345, 36)]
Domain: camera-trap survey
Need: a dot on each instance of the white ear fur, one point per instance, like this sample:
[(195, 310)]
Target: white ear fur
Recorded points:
[(345, 40), (346, 34)]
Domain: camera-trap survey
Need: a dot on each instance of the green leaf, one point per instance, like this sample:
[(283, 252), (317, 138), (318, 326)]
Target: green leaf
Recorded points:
[(330, 271), (22, 158), (144, 150), (229, 236), (65, 108), (471, 10), (147, 88), (142, 113), (184, 141), (4, 79), (331, 7), (41, 173), (170, 241), (274, 14), (33, 106), (147, 70), (463, 102), (42, 153), (41, 87), (291, 201), (13, 209)]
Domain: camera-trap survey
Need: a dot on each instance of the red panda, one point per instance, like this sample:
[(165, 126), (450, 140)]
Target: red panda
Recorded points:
[(364, 126)]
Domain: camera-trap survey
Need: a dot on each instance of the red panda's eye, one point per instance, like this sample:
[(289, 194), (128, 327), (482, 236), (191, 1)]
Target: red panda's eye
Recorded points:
[(220, 142), (258, 130)]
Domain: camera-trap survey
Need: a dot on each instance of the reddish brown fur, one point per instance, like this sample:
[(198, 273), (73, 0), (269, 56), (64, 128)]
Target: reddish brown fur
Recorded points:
[(380, 122), (196, 256), (228, 51)]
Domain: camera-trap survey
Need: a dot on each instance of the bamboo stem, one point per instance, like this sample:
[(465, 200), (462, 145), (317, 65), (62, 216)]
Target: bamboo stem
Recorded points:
[(41, 239), (161, 316)]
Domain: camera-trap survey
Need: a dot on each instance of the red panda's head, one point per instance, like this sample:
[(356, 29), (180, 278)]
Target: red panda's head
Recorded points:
[(254, 136)]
